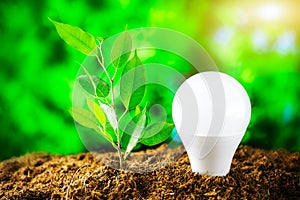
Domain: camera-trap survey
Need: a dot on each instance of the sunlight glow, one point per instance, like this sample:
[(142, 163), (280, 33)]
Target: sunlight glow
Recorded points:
[(270, 11)]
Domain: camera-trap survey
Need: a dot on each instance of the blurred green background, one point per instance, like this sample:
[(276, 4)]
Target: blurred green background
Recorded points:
[(255, 41)]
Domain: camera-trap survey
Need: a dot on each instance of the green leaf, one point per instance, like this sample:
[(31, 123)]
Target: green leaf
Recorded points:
[(137, 110), (84, 118), (132, 132), (156, 133), (132, 84), (102, 88), (121, 49), (76, 38), (137, 147), (86, 84), (109, 130), (108, 135), (96, 110), (87, 119), (111, 115)]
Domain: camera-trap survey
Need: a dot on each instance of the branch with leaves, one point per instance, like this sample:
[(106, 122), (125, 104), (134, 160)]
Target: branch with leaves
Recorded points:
[(102, 115)]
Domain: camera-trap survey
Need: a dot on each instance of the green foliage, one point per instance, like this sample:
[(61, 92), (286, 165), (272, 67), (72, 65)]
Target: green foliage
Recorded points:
[(133, 132), (121, 49), (92, 83), (111, 116), (155, 133), (102, 89), (132, 86), (86, 83), (84, 117), (97, 111), (76, 38), (102, 114)]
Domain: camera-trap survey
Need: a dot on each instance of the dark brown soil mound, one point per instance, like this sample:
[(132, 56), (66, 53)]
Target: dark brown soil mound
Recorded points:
[(255, 174)]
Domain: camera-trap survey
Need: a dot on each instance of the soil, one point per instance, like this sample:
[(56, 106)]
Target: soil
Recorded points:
[(254, 174)]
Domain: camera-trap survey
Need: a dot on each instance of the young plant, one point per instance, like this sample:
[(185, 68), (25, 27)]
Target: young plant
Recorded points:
[(99, 91)]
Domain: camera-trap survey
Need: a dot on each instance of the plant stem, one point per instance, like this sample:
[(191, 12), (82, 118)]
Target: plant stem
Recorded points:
[(120, 150), (104, 69), (111, 81), (118, 127), (113, 78), (123, 115)]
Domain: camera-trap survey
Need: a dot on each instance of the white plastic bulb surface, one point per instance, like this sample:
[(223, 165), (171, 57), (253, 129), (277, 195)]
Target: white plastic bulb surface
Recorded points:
[(211, 112)]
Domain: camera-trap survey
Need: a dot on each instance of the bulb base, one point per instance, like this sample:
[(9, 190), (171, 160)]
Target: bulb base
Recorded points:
[(212, 155)]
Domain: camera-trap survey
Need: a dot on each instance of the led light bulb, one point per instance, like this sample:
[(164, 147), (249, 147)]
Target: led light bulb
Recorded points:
[(211, 112)]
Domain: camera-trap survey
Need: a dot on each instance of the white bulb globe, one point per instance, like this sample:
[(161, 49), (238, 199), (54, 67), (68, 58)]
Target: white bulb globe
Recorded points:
[(211, 112)]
